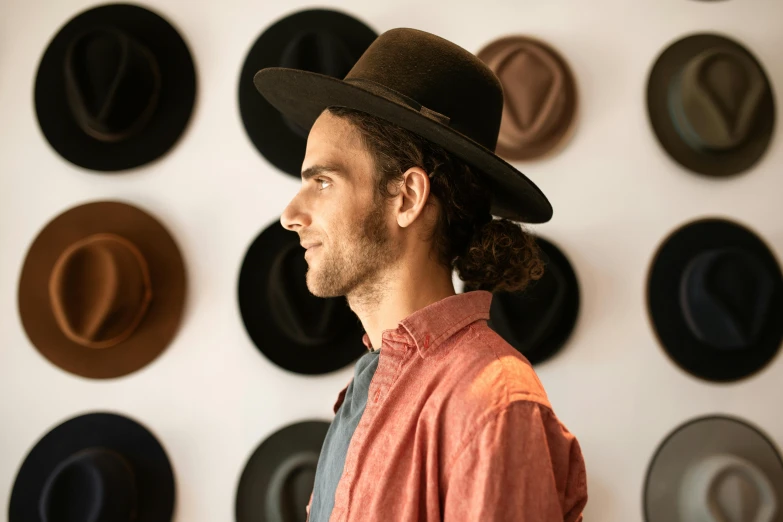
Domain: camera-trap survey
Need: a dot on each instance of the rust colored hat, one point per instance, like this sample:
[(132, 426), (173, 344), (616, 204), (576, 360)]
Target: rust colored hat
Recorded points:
[(102, 290), (539, 93)]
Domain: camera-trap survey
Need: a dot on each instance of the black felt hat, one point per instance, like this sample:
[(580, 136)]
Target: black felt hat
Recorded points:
[(323, 41), (710, 104), (429, 86), (293, 328), (115, 88), (278, 478), (715, 299), (97, 466), (539, 320)]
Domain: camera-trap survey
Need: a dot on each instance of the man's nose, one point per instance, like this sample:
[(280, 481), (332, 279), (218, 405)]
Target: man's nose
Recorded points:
[(294, 217)]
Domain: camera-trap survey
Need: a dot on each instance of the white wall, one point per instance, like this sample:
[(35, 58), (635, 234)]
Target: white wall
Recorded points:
[(211, 397)]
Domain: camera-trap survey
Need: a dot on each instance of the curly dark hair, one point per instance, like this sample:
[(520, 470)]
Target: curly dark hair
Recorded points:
[(487, 253)]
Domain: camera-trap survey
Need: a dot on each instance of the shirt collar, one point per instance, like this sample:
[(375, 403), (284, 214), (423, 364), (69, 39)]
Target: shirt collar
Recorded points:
[(429, 327)]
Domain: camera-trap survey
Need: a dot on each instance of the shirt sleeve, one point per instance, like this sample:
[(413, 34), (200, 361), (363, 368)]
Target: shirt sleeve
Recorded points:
[(521, 465)]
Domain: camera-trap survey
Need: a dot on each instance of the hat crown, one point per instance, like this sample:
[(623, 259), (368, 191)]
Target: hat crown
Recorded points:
[(290, 486), (715, 99), (320, 51), (534, 90), (435, 77), (303, 317), (533, 313), (92, 485), (725, 295), (100, 290), (727, 488), (112, 83)]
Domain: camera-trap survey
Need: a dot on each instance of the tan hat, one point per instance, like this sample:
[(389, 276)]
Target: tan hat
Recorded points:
[(539, 96), (102, 289)]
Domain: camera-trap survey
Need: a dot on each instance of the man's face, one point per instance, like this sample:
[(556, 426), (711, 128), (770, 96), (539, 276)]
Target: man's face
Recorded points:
[(337, 212)]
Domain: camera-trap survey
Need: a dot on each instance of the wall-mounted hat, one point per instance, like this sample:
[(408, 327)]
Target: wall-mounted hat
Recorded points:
[(293, 328), (539, 320), (324, 41), (540, 96), (429, 86), (711, 105), (98, 466), (278, 478), (715, 468), (715, 299), (102, 289), (115, 88)]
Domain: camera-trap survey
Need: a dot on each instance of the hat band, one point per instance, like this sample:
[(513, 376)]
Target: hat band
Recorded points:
[(391, 94), (678, 118)]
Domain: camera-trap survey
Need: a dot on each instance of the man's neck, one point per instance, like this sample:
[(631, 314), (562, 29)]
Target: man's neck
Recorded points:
[(394, 296)]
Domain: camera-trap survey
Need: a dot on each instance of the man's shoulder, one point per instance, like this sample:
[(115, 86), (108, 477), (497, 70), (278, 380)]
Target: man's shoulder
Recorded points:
[(488, 373)]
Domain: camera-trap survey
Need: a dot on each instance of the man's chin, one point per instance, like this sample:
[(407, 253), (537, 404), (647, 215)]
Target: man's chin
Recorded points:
[(318, 289)]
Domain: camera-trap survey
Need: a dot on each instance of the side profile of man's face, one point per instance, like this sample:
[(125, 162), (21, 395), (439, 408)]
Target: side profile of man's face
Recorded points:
[(338, 213)]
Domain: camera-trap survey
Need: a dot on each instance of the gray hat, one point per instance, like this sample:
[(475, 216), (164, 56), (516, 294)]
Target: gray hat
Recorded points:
[(715, 469)]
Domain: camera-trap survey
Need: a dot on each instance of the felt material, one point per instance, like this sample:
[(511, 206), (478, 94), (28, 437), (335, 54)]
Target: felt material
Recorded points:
[(680, 343), (138, 447), (722, 83), (174, 104), (540, 96), (292, 328), (141, 341), (319, 40), (539, 320), (429, 86), (288, 457), (688, 445)]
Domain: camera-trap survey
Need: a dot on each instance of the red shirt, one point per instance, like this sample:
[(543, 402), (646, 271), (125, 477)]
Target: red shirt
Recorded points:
[(457, 427)]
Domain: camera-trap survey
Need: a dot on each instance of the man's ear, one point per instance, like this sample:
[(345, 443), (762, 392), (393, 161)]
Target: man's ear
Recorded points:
[(413, 195)]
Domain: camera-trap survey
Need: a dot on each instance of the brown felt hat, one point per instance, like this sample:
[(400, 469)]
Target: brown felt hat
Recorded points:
[(711, 105), (429, 86), (102, 289), (540, 96)]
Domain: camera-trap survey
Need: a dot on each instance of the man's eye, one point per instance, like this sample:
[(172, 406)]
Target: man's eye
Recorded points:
[(319, 181)]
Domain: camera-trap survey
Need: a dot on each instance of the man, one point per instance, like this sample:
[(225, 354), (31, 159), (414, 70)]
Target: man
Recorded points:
[(443, 420)]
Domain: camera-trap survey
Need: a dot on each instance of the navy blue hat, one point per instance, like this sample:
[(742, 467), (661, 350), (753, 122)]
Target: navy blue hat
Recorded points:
[(715, 299), (95, 467)]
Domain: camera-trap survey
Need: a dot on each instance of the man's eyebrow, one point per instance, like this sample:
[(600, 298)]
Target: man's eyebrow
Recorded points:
[(320, 169)]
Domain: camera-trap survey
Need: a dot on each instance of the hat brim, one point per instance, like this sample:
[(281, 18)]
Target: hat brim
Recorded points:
[(271, 341), (175, 105), (153, 472), (556, 140), (693, 441), (667, 317), (266, 458), (264, 125), (302, 96), (716, 164), (162, 319)]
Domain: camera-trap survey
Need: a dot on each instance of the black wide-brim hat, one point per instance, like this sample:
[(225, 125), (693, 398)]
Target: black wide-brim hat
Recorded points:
[(305, 438), (666, 66), (539, 320), (667, 316), (154, 476), (174, 108), (429, 86), (345, 345), (265, 126)]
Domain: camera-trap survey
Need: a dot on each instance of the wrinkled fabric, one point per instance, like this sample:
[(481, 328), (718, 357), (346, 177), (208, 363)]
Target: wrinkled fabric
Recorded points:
[(457, 427)]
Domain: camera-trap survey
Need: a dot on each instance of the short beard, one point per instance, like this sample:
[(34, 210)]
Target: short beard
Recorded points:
[(355, 269)]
